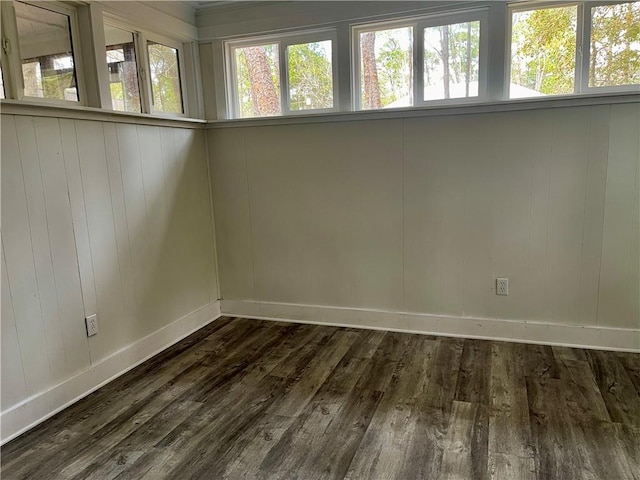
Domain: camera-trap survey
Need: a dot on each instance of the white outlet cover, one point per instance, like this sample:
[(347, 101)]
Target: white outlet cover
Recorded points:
[(91, 323)]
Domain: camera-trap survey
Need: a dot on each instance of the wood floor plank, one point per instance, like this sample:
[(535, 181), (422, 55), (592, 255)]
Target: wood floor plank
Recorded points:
[(251, 399)]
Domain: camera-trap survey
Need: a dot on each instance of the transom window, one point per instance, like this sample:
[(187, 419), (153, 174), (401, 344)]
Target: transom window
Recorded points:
[(561, 49), (280, 76), (46, 52), (449, 51)]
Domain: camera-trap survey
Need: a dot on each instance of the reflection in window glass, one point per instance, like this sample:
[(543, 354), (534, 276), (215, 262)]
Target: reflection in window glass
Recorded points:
[(386, 68), (47, 56), (165, 78), (451, 61), (257, 81), (615, 45), (543, 52), (310, 76), (123, 72)]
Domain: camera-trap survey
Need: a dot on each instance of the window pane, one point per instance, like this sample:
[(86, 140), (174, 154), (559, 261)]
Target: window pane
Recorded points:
[(386, 68), (615, 45), (123, 71), (543, 51), (165, 78), (310, 76), (257, 81), (47, 56), (451, 60)]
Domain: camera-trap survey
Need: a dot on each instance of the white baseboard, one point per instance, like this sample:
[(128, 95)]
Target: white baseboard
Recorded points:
[(604, 338), (37, 408)]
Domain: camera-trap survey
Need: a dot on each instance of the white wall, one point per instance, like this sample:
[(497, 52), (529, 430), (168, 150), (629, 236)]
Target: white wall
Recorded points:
[(422, 214), (97, 217)]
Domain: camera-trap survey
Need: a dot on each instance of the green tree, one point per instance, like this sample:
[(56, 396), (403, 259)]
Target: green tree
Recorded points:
[(310, 76), (544, 49), (615, 45), (165, 78)]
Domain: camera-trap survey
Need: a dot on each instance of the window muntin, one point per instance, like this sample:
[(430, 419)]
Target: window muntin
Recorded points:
[(614, 45), (543, 51), (46, 51), (386, 67), (257, 80), (164, 69), (124, 84), (451, 61), (310, 75)]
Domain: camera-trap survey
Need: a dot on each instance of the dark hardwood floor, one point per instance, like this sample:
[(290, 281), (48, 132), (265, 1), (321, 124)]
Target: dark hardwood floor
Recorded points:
[(244, 399)]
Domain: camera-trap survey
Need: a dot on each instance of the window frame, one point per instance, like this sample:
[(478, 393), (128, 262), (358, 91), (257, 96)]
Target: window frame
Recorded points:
[(419, 24), (282, 41), (13, 61)]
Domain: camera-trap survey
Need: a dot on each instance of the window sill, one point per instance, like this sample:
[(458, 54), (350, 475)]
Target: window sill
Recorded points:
[(466, 108), (78, 112)]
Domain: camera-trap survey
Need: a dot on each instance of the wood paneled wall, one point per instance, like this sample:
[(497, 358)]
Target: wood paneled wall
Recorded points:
[(97, 217), (422, 214)]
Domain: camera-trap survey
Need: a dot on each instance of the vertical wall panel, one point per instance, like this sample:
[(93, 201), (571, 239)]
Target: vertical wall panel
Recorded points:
[(326, 200), (566, 213), (120, 226), (104, 253), (594, 204), (75, 205), (423, 163), (513, 166), (29, 157), (62, 244), (232, 215), (20, 265), (528, 195), (13, 387), (79, 215), (618, 299)]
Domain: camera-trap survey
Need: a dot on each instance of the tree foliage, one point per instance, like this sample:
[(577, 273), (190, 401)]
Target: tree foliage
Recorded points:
[(615, 45), (310, 76), (165, 78)]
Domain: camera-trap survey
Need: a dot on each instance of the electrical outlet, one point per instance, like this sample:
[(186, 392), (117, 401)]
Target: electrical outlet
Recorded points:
[(92, 325), (502, 286)]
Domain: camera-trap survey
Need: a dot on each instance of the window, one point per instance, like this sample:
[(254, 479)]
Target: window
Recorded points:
[(257, 81), (572, 48), (48, 66), (448, 50), (164, 67), (310, 75), (614, 45), (123, 69), (386, 73), (282, 76), (543, 51), (451, 61)]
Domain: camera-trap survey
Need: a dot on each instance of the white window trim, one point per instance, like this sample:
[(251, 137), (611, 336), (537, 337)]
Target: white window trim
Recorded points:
[(283, 41), (419, 23), (13, 61)]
